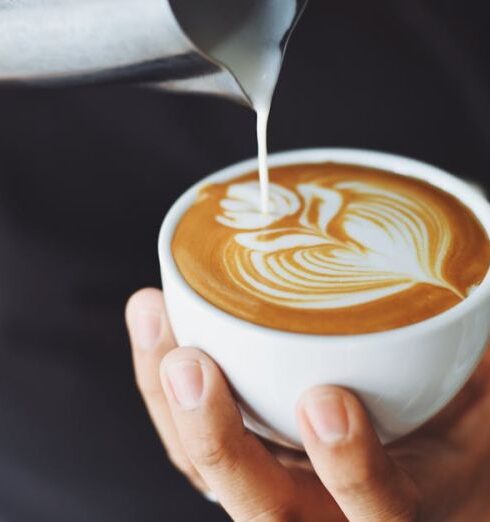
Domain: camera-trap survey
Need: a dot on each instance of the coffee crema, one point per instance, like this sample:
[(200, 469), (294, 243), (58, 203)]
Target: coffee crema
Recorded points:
[(344, 249)]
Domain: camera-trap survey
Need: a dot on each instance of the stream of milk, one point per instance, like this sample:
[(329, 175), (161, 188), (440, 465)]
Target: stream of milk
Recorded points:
[(252, 52), (75, 35)]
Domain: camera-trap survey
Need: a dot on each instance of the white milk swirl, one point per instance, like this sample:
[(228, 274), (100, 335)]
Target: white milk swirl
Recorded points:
[(351, 243)]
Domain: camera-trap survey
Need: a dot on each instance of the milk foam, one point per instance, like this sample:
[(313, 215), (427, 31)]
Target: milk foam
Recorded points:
[(53, 37), (345, 249), (241, 208), (388, 243), (253, 54)]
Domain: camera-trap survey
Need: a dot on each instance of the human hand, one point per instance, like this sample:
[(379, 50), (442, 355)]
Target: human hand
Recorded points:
[(440, 472)]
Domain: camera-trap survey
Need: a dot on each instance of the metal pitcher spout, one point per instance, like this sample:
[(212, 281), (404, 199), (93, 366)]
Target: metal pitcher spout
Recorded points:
[(200, 46)]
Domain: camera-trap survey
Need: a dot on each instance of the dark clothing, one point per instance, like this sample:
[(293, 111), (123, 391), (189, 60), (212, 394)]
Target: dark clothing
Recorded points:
[(86, 176)]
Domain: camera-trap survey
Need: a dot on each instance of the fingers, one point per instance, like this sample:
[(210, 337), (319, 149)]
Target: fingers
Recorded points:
[(247, 480), (350, 460), (150, 335), (151, 338)]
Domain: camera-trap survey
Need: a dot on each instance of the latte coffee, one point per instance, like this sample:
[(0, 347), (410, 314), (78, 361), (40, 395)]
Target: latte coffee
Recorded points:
[(343, 249)]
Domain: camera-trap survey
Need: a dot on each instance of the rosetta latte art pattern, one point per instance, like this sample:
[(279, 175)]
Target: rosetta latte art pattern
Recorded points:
[(344, 249), (388, 243)]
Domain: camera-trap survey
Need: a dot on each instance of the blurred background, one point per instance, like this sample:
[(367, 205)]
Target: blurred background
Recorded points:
[(86, 176)]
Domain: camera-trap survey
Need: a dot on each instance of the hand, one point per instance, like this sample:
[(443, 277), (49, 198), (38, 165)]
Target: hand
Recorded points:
[(439, 473)]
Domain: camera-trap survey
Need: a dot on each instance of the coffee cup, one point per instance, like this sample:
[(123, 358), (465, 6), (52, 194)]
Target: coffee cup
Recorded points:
[(404, 375)]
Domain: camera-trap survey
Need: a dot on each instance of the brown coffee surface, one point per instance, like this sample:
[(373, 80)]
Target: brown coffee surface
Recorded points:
[(344, 249)]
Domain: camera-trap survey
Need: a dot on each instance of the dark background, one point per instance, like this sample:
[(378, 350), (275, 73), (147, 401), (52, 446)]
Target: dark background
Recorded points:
[(86, 175)]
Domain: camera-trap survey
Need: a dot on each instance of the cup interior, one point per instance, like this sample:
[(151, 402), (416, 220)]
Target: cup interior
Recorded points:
[(464, 192)]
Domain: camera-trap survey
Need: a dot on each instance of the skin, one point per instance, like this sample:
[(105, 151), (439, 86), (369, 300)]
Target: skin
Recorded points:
[(441, 472)]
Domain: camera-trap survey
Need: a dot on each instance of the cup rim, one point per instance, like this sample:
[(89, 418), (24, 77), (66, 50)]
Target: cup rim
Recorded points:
[(397, 164)]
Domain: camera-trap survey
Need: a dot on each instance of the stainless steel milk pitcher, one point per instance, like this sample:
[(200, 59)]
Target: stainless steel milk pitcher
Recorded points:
[(187, 45)]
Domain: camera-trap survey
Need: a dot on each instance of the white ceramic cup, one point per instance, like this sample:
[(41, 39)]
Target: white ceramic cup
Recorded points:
[(404, 376)]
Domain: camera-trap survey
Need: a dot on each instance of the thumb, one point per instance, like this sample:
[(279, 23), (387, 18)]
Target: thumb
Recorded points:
[(350, 460)]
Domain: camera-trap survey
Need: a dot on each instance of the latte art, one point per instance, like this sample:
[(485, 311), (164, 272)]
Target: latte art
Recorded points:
[(387, 244), (339, 244)]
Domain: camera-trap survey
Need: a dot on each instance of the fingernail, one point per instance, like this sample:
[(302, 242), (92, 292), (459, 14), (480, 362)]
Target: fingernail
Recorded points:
[(147, 329), (186, 380), (328, 417)]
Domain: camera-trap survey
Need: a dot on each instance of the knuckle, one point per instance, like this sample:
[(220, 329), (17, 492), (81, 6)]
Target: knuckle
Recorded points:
[(209, 452), (281, 513), (406, 513), (370, 481), (366, 477)]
